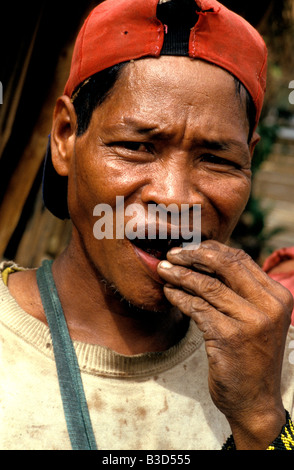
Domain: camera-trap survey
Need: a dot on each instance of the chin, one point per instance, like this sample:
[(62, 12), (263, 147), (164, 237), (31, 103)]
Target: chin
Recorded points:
[(140, 309), (155, 301)]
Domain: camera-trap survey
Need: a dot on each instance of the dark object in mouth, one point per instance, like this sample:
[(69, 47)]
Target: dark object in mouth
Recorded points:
[(158, 248)]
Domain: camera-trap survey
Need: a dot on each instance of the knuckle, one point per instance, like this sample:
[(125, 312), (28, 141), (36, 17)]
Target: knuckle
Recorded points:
[(185, 304), (184, 301), (282, 304), (268, 329), (263, 325), (195, 307), (277, 305), (237, 256), (200, 305), (288, 299), (211, 285)]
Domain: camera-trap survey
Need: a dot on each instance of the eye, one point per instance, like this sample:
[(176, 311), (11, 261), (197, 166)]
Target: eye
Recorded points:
[(214, 159), (134, 146)]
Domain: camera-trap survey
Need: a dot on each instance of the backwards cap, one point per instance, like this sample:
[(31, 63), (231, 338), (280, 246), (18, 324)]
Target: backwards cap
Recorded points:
[(117, 31)]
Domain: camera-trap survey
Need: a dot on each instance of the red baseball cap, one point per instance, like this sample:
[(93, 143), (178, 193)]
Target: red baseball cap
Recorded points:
[(117, 31)]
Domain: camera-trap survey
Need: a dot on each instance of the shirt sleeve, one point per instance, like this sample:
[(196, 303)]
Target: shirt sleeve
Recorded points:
[(285, 441)]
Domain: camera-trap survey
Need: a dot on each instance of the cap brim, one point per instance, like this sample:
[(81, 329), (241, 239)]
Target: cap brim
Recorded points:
[(54, 188)]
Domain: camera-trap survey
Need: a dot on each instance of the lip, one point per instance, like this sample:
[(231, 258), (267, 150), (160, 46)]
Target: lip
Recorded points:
[(149, 263)]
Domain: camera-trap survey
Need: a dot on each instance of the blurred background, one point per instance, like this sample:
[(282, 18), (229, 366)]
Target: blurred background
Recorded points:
[(36, 43)]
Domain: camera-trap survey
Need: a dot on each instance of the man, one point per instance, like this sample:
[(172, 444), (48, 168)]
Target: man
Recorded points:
[(173, 348)]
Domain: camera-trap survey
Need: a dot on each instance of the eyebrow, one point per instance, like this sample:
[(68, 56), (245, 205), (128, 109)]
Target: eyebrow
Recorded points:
[(224, 145), (228, 145)]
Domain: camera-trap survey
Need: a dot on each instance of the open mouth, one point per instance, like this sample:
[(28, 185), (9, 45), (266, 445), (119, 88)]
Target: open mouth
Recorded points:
[(158, 248)]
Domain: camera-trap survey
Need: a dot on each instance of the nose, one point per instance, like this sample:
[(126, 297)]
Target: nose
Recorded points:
[(172, 185)]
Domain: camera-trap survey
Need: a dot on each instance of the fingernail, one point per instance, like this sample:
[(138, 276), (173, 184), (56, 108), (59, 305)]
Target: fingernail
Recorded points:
[(165, 265), (175, 250)]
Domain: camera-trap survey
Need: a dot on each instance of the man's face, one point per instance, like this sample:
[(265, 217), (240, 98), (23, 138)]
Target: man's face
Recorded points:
[(172, 131)]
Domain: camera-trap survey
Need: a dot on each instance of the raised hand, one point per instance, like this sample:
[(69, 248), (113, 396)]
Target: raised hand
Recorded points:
[(244, 316)]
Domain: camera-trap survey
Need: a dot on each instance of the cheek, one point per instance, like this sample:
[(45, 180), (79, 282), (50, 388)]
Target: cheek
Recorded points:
[(233, 198), (87, 186), (99, 178), (226, 199)]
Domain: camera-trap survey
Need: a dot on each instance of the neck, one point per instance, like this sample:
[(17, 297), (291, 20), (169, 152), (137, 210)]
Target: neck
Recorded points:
[(97, 314)]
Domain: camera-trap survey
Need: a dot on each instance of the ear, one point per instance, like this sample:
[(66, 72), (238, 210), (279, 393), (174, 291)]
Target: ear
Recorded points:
[(63, 135), (254, 141)]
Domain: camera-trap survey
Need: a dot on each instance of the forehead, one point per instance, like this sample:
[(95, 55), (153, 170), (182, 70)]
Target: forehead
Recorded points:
[(168, 90)]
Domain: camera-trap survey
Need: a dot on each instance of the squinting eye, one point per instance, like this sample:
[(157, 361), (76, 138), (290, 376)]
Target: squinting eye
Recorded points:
[(210, 158), (135, 146)]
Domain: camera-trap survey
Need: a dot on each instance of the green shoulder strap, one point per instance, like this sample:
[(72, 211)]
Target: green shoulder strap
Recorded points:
[(72, 392)]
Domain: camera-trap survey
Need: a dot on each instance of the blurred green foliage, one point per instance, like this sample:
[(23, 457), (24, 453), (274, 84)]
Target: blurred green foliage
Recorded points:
[(275, 21), (251, 233)]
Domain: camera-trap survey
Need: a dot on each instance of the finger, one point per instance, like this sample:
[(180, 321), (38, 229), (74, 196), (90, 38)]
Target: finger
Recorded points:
[(225, 336), (209, 289), (212, 323), (234, 268), (217, 259)]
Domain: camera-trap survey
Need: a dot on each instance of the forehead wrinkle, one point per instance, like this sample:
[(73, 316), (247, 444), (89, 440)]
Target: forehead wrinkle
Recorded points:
[(162, 131), (140, 125), (153, 115)]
